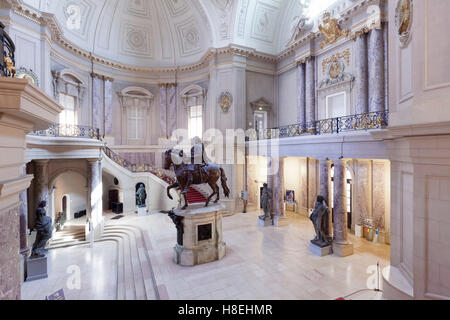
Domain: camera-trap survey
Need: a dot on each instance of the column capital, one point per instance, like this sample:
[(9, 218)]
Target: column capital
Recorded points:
[(95, 160)]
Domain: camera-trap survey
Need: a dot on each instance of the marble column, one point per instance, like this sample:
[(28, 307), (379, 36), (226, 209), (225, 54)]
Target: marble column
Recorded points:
[(280, 219), (341, 246), (163, 110), (324, 180), (301, 102), (23, 211), (361, 79), (375, 49), (96, 197), (172, 109), (41, 182), (108, 107), (310, 90)]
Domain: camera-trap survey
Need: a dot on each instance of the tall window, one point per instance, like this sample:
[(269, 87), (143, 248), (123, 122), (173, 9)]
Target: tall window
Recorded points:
[(136, 121), (196, 121), (67, 117)]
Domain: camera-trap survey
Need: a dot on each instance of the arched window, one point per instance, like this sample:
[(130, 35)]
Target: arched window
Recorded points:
[(194, 99), (136, 103)]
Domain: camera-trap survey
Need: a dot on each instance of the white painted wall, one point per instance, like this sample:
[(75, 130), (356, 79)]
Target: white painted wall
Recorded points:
[(72, 184)]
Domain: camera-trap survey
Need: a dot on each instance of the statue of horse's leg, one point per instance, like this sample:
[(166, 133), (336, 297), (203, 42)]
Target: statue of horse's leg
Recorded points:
[(212, 195), (218, 194), (172, 186), (186, 204)]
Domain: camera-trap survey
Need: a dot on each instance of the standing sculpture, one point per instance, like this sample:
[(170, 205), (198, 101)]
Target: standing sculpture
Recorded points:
[(43, 226), (178, 222), (266, 203), (188, 174), (141, 197), (319, 218)]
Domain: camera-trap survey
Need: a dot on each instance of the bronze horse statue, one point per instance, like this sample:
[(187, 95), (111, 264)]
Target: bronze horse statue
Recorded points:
[(210, 174)]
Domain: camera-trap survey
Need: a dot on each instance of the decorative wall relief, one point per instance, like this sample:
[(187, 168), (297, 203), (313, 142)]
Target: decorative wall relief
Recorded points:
[(334, 67), (331, 30), (226, 100), (403, 20), (30, 75)]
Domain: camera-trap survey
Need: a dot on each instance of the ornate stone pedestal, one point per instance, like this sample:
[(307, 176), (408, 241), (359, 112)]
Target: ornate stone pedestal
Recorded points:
[(321, 252), (202, 236), (36, 269), (142, 212)]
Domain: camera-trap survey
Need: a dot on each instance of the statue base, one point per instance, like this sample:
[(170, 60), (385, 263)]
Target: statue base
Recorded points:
[(36, 268), (142, 212), (320, 251), (265, 223), (342, 249), (202, 237)]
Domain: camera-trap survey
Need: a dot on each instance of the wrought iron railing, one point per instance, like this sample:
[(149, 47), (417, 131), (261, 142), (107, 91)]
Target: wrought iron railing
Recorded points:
[(366, 121), (137, 168), (7, 54), (69, 131)]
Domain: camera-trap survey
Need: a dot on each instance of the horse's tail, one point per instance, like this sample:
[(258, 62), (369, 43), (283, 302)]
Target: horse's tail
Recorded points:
[(224, 179)]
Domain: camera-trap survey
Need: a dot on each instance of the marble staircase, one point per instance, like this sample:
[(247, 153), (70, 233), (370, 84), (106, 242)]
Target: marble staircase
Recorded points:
[(70, 236)]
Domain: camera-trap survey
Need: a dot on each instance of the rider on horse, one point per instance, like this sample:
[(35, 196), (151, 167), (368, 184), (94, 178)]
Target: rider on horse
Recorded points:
[(199, 160)]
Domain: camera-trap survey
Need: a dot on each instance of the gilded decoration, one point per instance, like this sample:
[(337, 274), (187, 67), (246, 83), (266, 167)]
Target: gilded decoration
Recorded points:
[(226, 100), (334, 67), (30, 75), (403, 20), (331, 30), (10, 68)]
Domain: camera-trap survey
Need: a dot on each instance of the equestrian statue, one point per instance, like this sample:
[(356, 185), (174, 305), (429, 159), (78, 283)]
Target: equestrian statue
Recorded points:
[(198, 171)]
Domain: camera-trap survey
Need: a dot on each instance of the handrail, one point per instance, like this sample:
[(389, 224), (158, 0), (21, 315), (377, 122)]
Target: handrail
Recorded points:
[(7, 54), (366, 121), (74, 131)]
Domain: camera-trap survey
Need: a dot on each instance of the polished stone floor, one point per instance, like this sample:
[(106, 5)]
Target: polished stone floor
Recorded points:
[(261, 263)]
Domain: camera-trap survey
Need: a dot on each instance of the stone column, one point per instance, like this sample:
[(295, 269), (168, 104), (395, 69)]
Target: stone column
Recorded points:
[(375, 48), (41, 182), (301, 89), (97, 103), (280, 219), (163, 110), (108, 108), (96, 198), (341, 246), (324, 180), (23, 211), (172, 109), (361, 80), (310, 90)]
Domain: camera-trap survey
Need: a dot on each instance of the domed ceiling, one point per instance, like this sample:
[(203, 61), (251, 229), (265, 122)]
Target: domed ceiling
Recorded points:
[(136, 32)]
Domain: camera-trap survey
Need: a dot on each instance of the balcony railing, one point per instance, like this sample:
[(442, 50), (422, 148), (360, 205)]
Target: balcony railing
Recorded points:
[(7, 54), (74, 131), (137, 168), (366, 121)]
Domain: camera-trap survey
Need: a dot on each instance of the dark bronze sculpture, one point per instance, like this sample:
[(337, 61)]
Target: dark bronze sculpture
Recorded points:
[(319, 218), (43, 226), (266, 203), (141, 197), (178, 222)]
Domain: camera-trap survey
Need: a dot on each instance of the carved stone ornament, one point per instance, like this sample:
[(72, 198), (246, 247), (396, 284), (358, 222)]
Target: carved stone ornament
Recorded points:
[(403, 20), (226, 100), (335, 70), (331, 30), (30, 75)]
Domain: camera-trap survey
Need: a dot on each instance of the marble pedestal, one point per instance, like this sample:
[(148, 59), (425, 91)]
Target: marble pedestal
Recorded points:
[(342, 250), (265, 223), (142, 212), (321, 252), (202, 237), (36, 269)]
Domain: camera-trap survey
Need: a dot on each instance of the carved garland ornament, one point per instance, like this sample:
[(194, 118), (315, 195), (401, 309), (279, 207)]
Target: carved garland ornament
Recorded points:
[(226, 100), (331, 30), (30, 75), (403, 20)]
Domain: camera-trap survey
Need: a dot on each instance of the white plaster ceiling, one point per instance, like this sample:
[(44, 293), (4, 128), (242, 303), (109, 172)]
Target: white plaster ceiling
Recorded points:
[(159, 33)]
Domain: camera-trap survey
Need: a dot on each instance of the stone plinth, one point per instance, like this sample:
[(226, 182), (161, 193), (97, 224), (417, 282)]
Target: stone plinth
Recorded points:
[(321, 252), (202, 237), (265, 223), (142, 212), (36, 269), (342, 250)]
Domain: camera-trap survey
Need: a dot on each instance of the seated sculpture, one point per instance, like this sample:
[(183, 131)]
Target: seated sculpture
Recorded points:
[(141, 197), (319, 218), (266, 202), (43, 226)]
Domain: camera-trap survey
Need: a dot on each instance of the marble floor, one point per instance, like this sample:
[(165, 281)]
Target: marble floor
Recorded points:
[(261, 263)]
